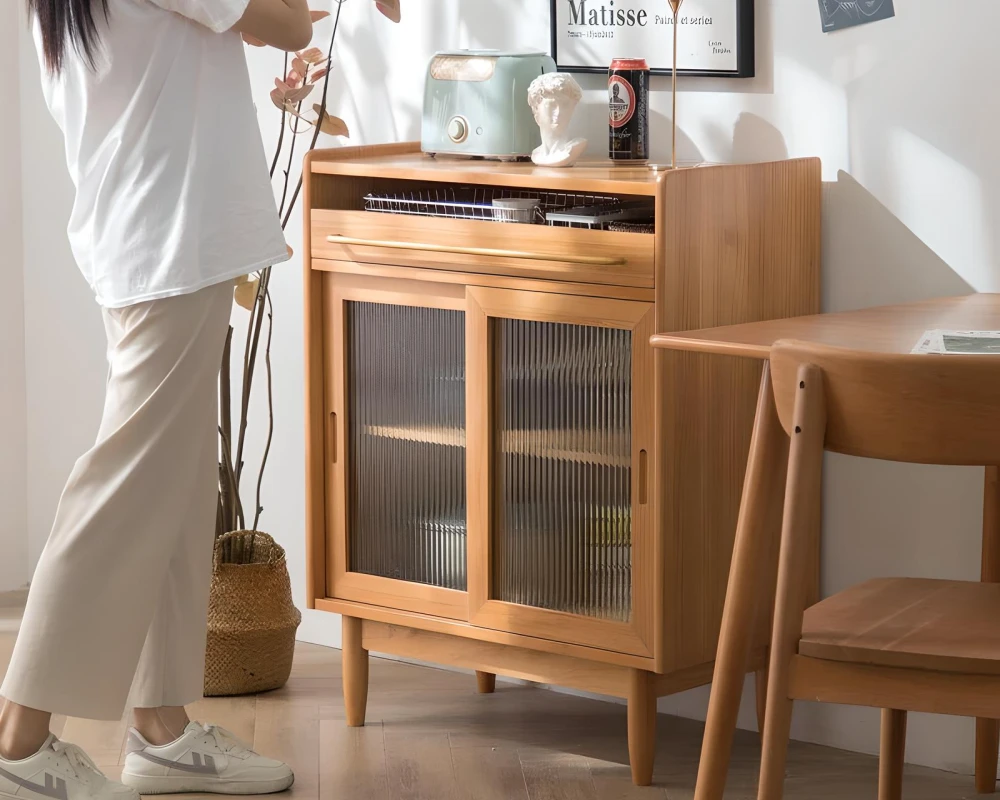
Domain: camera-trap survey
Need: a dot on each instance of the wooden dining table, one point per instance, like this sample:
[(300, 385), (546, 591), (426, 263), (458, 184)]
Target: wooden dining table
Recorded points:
[(751, 588)]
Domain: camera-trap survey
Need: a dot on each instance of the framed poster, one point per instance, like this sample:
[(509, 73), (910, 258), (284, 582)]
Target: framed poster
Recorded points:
[(715, 37)]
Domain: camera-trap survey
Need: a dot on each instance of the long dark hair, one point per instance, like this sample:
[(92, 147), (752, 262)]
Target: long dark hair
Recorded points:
[(65, 23)]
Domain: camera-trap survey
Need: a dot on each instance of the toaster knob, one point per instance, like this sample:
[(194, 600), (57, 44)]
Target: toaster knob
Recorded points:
[(458, 129)]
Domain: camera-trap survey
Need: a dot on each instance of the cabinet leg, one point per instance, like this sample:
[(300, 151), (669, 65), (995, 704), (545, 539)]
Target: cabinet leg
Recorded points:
[(355, 673), (487, 682), (641, 726)]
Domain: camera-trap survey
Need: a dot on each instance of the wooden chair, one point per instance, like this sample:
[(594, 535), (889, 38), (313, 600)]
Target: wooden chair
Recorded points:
[(897, 644)]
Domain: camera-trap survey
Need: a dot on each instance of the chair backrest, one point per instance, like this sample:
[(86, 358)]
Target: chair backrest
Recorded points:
[(927, 409)]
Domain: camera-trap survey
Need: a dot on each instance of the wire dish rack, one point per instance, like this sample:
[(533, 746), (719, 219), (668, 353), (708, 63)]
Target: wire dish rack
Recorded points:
[(494, 205)]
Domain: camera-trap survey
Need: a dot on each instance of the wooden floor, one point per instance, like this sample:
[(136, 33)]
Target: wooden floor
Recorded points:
[(431, 737)]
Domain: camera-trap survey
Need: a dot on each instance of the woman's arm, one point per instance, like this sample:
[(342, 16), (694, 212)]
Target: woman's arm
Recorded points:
[(284, 24)]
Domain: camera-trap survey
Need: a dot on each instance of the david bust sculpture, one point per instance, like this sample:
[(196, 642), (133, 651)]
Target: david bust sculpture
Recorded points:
[(553, 98)]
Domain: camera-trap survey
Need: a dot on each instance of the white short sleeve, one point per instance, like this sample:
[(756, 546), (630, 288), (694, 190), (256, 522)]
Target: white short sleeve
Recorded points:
[(217, 15)]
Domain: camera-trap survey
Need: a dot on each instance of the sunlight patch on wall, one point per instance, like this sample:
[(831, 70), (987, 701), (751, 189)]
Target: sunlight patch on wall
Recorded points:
[(812, 114)]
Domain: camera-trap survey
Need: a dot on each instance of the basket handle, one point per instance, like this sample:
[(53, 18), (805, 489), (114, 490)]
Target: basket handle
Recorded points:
[(590, 261)]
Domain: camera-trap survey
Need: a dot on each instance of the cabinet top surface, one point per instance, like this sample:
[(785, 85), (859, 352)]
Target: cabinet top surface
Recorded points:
[(406, 162)]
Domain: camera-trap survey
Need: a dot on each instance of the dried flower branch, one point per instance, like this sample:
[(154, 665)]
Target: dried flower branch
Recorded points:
[(300, 76)]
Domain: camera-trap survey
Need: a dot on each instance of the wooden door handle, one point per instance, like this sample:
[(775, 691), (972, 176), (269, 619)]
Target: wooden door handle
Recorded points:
[(590, 261)]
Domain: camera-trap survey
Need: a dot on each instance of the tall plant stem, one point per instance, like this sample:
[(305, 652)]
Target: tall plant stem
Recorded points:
[(281, 135), (322, 106), (270, 406)]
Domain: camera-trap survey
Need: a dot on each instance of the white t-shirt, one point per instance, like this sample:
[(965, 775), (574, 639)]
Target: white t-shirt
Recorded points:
[(162, 142)]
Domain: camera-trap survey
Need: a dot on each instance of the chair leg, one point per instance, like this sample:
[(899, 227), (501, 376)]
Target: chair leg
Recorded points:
[(987, 751), (641, 726), (355, 673), (750, 593), (802, 502), (892, 754), (486, 681), (774, 747), (988, 730), (761, 677)]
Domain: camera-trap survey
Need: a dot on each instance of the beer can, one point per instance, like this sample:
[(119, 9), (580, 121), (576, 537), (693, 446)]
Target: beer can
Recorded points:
[(628, 110)]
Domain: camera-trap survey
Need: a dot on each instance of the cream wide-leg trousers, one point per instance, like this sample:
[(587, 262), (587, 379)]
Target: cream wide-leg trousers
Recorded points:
[(120, 596)]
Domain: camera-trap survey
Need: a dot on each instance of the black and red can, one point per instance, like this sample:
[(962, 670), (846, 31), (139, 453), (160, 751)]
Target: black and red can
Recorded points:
[(628, 110)]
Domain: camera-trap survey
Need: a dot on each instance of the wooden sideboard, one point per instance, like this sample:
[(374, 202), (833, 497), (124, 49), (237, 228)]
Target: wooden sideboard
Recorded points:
[(501, 474)]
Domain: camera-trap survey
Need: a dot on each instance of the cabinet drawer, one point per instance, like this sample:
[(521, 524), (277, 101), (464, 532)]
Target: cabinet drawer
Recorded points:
[(538, 251)]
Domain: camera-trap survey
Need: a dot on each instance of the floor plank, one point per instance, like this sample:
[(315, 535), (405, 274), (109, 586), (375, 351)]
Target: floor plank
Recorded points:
[(489, 773), (352, 762), (551, 775), (419, 766)]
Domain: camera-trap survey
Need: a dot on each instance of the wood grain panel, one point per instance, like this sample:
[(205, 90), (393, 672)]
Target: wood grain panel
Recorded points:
[(570, 254), (741, 243), (881, 329), (818, 680), (500, 659), (479, 279), (406, 162), (427, 622), (947, 626)]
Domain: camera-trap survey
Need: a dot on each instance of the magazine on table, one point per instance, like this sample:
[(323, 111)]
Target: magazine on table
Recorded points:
[(941, 342)]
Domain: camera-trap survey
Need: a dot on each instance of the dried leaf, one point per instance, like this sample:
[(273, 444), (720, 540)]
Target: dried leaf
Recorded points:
[(300, 94), (246, 294), (278, 98), (334, 126), (299, 66), (291, 252), (390, 8), (317, 75), (675, 5), (312, 56), (318, 15)]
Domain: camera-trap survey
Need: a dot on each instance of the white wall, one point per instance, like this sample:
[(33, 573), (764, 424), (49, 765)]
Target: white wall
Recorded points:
[(13, 535), (902, 114)]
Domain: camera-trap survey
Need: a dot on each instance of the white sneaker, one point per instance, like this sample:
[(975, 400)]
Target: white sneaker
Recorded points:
[(59, 771), (205, 758)]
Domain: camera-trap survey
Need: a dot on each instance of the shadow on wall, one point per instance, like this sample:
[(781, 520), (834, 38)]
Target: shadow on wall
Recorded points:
[(871, 258)]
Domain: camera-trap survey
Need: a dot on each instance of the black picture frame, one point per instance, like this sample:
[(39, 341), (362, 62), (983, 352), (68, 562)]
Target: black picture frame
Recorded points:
[(745, 54)]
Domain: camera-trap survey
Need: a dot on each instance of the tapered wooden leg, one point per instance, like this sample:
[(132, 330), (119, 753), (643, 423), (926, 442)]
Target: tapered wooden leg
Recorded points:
[(761, 697), (487, 682), (987, 746), (891, 755), (988, 730), (802, 498), (355, 673), (641, 726), (748, 595)]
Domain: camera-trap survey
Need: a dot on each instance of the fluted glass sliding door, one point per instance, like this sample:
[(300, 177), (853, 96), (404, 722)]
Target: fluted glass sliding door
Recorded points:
[(564, 517), (398, 411)]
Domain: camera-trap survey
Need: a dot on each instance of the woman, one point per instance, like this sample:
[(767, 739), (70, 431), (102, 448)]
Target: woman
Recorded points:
[(173, 203)]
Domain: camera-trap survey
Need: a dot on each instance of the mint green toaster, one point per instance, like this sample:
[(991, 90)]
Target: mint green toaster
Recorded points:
[(476, 104)]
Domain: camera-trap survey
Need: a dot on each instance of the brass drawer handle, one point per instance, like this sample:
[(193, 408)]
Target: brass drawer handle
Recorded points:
[(590, 261)]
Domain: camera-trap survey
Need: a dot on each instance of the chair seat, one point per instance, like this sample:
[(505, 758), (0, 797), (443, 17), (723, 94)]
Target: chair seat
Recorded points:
[(946, 626)]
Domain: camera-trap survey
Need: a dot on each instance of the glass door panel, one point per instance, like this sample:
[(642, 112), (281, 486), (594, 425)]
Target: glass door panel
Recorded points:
[(562, 537), (406, 481), (560, 446)]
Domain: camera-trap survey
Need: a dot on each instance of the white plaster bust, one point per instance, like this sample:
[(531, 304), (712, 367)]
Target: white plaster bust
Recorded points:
[(553, 98)]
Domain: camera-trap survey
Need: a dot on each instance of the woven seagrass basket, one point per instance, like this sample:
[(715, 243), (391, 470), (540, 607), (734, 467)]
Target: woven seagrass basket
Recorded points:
[(251, 618)]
